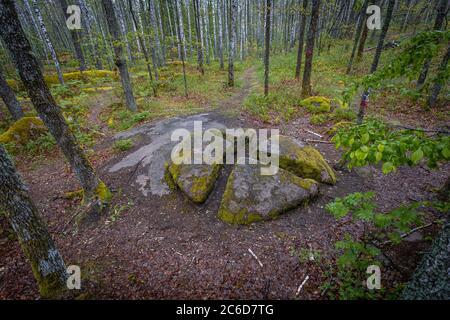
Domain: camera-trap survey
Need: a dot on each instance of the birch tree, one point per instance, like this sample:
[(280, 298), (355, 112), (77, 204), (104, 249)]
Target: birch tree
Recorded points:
[(95, 191), (37, 245), (267, 51), (301, 35), (48, 42), (232, 42), (118, 51)]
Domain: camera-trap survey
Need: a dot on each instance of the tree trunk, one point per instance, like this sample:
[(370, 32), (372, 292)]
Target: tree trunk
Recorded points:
[(430, 281), (440, 79), (301, 36), (157, 51), (46, 262), (220, 33), (199, 38), (75, 37), (118, 51), (181, 40), (9, 98), (438, 24), (144, 49), (50, 113), (306, 84), (48, 43), (267, 50), (362, 42), (232, 40), (365, 97), (361, 25)]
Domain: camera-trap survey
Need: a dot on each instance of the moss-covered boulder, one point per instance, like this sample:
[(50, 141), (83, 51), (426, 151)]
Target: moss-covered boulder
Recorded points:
[(23, 130), (196, 181), (317, 104), (250, 197), (304, 161)]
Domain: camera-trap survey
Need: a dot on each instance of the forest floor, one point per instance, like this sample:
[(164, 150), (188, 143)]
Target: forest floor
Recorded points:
[(166, 247)]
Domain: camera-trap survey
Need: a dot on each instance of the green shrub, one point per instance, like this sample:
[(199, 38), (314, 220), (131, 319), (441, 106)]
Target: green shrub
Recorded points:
[(123, 145)]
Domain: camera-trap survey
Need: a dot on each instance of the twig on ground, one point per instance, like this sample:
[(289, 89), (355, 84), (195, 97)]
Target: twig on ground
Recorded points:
[(409, 233), (300, 287), (318, 141), (254, 256), (314, 133)]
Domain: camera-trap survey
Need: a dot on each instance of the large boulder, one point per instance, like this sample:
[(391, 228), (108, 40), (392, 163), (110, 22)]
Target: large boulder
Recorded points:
[(196, 181), (251, 197), (304, 161)]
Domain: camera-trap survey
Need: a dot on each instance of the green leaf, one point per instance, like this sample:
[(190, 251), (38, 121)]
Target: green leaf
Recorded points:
[(417, 156), (387, 167), (365, 138)]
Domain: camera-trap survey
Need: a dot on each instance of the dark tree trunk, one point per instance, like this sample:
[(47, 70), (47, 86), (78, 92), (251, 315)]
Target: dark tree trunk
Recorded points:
[(362, 42), (361, 25), (301, 37), (118, 51), (179, 17), (144, 49), (376, 60), (440, 79), (306, 84), (50, 113), (76, 39), (430, 281), (9, 98), (267, 50), (46, 262), (384, 30), (438, 23)]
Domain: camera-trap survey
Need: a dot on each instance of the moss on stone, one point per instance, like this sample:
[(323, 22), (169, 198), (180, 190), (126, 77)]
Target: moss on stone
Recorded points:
[(338, 126), (317, 104), (168, 177), (23, 130), (305, 162)]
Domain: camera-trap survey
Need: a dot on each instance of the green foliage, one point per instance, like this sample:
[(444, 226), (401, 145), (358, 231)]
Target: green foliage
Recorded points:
[(281, 104), (318, 119), (407, 63), (374, 141), (123, 145), (357, 254)]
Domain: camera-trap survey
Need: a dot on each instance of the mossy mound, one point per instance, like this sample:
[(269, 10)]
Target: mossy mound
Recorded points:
[(77, 75), (196, 181), (317, 104), (23, 130), (304, 161), (251, 197)]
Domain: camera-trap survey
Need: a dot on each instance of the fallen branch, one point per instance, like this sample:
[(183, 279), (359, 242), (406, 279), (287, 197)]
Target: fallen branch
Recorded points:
[(314, 133), (300, 287), (409, 233), (418, 129), (254, 256), (319, 141)]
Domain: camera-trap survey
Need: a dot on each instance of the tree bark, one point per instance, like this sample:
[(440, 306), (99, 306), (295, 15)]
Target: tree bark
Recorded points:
[(46, 262), (75, 37), (301, 37), (430, 281), (361, 25), (362, 42), (440, 79), (50, 113), (267, 50), (438, 24), (48, 42), (376, 59), (118, 51), (199, 38), (144, 49), (306, 84), (232, 40), (181, 39), (10, 100)]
